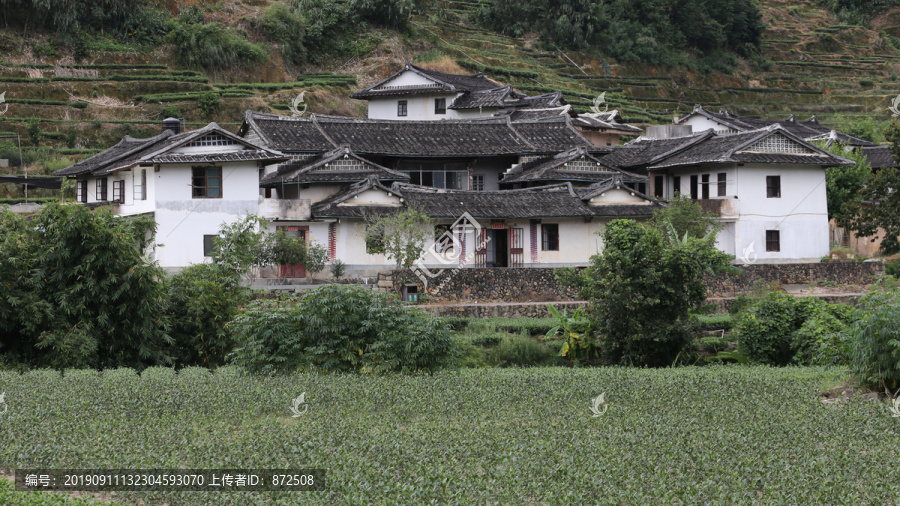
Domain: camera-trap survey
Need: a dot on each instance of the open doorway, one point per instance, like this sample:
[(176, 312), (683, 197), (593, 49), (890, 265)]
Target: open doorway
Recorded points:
[(500, 243)]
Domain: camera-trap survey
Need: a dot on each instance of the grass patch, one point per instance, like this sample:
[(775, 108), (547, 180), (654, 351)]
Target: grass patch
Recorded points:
[(515, 436)]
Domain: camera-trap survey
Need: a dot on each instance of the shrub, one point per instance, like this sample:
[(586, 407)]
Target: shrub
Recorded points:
[(210, 46), (780, 329), (521, 351), (338, 269), (316, 258), (287, 28), (874, 334), (202, 299), (340, 328), (208, 103), (892, 268), (724, 321)]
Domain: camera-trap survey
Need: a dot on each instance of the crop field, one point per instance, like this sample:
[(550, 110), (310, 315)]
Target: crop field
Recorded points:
[(512, 436)]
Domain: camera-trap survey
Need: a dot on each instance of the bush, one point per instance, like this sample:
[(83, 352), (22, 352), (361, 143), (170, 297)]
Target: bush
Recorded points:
[(338, 269), (521, 351), (210, 46), (724, 321), (892, 268), (287, 28), (780, 329), (874, 336), (203, 298), (340, 328), (208, 103)]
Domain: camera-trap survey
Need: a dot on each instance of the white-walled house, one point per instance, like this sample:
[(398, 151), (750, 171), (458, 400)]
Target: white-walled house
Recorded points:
[(190, 182), (767, 186)]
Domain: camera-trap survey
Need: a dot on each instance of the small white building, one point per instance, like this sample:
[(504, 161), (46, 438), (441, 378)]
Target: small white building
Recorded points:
[(190, 182), (767, 186)]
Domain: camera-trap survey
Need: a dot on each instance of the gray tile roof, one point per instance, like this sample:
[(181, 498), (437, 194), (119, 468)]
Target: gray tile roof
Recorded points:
[(444, 83), (447, 138), (610, 120), (495, 98), (710, 147), (330, 208), (804, 129), (315, 169), (130, 152), (880, 157), (556, 168)]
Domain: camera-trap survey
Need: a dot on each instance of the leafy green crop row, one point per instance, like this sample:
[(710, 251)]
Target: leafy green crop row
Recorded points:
[(687, 435)]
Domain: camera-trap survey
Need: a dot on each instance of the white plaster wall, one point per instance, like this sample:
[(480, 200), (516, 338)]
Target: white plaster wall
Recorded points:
[(182, 221), (418, 108), (619, 196), (578, 241), (699, 123)]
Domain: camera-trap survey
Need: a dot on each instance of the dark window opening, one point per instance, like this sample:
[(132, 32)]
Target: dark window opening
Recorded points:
[(207, 182), (118, 192), (694, 183), (81, 191), (401, 108), (658, 182), (773, 187), (549, 237), (101, 190), (705, 189), (722, 187), (209, 245), (268, 192), (676, 185), (773, 240), (440, 106)]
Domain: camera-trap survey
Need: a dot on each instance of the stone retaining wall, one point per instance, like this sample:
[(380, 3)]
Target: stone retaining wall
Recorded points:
[(540, 284)]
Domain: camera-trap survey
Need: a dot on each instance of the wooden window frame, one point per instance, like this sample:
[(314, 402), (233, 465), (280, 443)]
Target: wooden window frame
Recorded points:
[(549, 237), (773, 240), (81, 191), (204, 189), (209, 244), (478, 182), (118, 193), (721, 179), (704, 186), (402, 108), (773, 187), (440, 106), (101, 189)]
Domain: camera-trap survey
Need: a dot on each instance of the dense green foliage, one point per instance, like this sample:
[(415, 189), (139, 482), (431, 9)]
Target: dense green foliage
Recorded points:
[(653, 31), (781, 329), (641, 272), (520, 351), (210, 45), (855, 12), (202, 299), (844, 185), (883, 201), (892, 268), (401, 236), (876, 338), (77, 291), (685, 216), (137, 20), (715, 435), (340, 328)]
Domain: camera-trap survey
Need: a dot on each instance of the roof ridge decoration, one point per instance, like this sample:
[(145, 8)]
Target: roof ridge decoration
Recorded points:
[(212, 127), (776, 129)]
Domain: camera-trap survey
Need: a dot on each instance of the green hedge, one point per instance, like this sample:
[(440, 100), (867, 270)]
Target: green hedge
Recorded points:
[(191, 95)]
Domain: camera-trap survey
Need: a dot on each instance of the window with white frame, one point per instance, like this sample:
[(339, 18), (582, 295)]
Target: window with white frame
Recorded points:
[(101, 189), (118, 192), (81, 191), (478, 182)]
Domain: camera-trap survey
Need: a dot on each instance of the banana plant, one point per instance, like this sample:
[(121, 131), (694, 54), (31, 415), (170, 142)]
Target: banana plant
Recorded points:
[(580, 345)]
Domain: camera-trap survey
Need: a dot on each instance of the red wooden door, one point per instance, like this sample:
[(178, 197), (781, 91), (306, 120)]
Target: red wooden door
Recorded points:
[(297, 270)]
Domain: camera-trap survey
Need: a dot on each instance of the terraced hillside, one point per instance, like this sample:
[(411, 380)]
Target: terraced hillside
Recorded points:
[(65, 111)]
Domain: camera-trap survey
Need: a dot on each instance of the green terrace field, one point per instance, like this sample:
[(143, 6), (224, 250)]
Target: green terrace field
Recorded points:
[(720, 434)]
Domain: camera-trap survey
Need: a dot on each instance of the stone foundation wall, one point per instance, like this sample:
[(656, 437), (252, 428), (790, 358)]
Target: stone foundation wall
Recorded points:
[(512, 310), (539, 284)]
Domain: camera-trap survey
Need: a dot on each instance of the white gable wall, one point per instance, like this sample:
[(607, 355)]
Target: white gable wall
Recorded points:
[(182, 220), (700, 123), (418, 107)]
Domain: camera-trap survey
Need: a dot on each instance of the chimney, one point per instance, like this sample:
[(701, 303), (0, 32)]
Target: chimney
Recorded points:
[(173, 124)]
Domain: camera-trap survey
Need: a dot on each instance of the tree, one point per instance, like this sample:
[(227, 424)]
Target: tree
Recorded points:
[(316, 258), (243, 245), (77, 291), (844, 185), (642, 290), (33, 129), (402, 235), (685, 216), (882, 201)]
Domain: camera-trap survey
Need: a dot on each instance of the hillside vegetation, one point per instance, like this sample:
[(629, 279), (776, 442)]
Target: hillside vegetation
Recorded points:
[(77, 76)]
